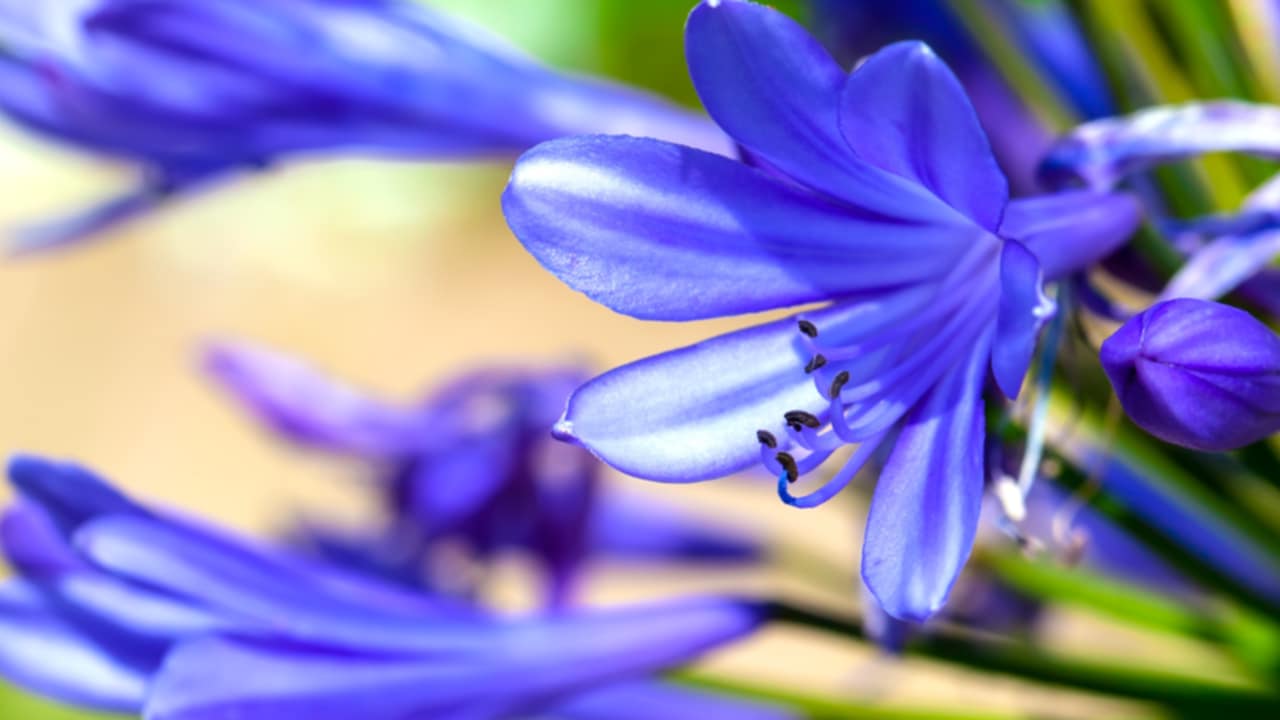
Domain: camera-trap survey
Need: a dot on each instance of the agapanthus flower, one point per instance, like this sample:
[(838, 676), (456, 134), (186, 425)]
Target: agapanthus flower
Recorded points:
[(874, 192), (474, 463), (194, 90), (1047, 37), (167, 616), (1198, 374), (1226, 252)]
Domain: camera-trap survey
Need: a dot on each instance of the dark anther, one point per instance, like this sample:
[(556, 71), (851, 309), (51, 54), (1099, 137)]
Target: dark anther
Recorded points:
[(815, 362), (808, 328), (838, 383), (788, 464), (800, 417), (767, 439)]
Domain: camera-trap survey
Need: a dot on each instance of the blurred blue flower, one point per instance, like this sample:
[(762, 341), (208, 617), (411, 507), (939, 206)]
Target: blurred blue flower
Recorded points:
[(875, 191), (167, 616), (475, 463), (1225, 252), (196, 90), (1198, 374)]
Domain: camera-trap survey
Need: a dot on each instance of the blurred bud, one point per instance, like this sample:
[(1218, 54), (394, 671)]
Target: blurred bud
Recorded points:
[(1197, 374)]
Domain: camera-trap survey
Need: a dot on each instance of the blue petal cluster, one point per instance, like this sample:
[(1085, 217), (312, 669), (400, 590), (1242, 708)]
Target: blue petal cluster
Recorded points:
[(474, 464), (195, 90), (131, 608)]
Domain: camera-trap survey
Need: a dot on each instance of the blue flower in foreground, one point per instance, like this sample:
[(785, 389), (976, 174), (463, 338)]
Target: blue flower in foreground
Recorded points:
[(177, 620), (874, 191), (1226, 252), (473, 463), (1197, 374), (195, 90)]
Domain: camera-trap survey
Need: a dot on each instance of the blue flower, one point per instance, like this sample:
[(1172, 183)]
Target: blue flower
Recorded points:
[(476, 463), (167, 616), (1197, 374), (196, 90), (1225, 252), (874, 192)]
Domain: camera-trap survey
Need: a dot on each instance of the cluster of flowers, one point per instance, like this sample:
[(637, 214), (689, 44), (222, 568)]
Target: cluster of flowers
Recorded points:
[(900, 206)]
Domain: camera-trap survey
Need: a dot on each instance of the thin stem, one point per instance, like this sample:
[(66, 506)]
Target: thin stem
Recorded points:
[(1021, 659)]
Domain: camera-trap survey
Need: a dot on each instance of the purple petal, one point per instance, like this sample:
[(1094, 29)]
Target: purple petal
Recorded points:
[(905, 111), (1104, 152), (259, 589), (777, 92), (449, 487), (663, 232), (692, 414), (924, 514), (535, 666), (50, 655), (1024, 309), (64, 231), (1070, 231), (32, 543), (647, 700), (307, 407), (1222, 265), (1197, 374), (70, 495)]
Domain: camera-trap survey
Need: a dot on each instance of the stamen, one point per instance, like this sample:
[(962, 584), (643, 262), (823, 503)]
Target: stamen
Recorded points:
[(797, 418), (808, 328), (815, 362), (837, 483), (767, 439), (838, 383), (788, 463)]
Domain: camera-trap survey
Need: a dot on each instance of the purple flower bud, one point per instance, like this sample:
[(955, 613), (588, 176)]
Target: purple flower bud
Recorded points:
[(1197, 374)]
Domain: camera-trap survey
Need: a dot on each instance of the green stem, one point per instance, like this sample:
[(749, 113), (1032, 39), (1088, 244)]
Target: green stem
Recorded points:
[(817, 707), (1251, 640), (1020, 659)]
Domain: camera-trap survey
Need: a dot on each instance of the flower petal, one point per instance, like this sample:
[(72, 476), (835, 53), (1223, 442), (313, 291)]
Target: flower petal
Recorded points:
[(1024, 309), (692, 414), (904, 111), (538, 665), (1070, 231), (663, 232), (1104, 152), (1223, 265), (773, 88), (69, 494), (260, 590), (32, 543), (924, 514), (51, 655), (307, 407), (648, 699)]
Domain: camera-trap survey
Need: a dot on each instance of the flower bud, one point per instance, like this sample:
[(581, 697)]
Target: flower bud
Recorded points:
[(1197, 374)]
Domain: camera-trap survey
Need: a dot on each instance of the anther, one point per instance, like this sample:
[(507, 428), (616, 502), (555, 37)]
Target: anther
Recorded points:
[(801, 418), (788, 464), (808, 328), (767, 439), (815, 362), (838, 384)]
